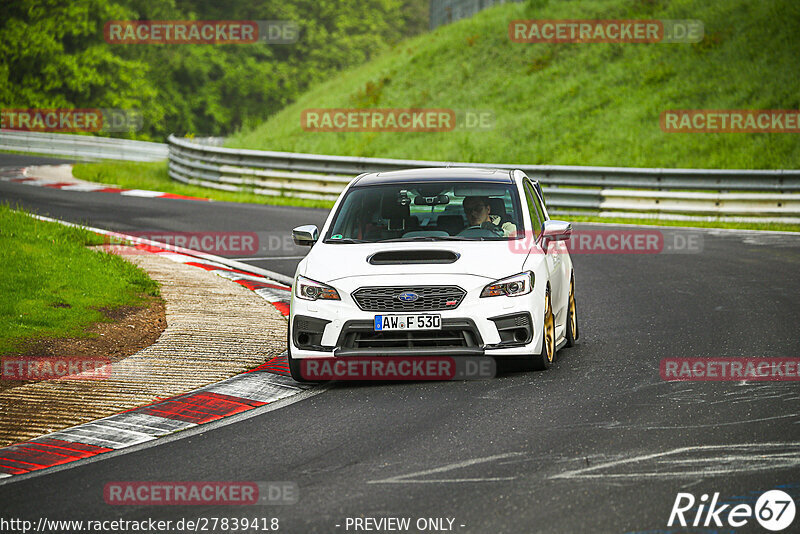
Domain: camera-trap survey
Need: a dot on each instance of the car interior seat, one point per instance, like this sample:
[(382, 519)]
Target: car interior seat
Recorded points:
[(452, 224), (397, 216), (497, 206)]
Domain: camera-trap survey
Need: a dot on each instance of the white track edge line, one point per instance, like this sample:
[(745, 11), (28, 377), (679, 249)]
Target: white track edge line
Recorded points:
[(181, 434)]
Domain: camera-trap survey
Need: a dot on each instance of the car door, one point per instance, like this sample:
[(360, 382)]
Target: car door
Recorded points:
[(537, 221), (556, 266), (566, 260)]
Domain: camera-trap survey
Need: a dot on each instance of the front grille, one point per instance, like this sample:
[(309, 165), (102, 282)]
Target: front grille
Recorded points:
[(433, 338), (431, 298), (455, 333)]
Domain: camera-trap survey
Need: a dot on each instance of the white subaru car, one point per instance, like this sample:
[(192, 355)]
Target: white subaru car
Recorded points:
[(435, 262)]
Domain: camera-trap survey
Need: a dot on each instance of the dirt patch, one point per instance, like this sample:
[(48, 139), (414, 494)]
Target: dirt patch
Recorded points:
[(131, 329)]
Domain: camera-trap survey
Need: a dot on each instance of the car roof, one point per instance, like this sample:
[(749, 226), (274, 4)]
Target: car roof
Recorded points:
[(436, 174)]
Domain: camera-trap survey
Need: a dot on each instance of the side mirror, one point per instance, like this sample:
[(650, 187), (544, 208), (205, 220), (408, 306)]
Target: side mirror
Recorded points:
[(305, 235), (556, 231)]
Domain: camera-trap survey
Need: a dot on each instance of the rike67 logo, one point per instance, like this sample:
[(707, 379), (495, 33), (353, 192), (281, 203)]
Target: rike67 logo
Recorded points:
[(774, 510)]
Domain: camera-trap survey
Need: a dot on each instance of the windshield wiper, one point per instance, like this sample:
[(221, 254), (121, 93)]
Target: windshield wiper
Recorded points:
[(427, 238), (347, 240)]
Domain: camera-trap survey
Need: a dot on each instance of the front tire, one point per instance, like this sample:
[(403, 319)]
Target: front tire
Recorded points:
[(547, 356), (294, 365), (572, 316)]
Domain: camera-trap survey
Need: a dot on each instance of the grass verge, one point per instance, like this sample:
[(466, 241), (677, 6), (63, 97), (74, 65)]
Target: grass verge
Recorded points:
[(51, 285), (153, 176)]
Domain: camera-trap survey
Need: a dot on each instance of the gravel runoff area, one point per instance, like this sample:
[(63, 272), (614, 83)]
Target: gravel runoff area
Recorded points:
[(215, 329)]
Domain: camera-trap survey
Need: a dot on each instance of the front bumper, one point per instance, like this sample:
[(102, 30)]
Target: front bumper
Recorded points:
[(494, 326), (458, 337)]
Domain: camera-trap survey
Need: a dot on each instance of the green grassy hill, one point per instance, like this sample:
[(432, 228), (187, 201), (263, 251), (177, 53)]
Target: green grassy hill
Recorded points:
[(572, 104)]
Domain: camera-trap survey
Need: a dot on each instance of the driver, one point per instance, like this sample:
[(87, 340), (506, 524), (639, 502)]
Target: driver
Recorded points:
[(478, 214)]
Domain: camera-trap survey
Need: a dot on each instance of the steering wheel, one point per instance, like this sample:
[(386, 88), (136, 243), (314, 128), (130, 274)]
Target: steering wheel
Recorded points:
[(478, 231)]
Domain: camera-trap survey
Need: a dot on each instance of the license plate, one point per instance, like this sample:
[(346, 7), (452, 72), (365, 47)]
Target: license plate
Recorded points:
[(408, 322)]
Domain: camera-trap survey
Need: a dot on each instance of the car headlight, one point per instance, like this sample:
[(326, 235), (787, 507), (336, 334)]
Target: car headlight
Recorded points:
[(513, 286), (308, 289)]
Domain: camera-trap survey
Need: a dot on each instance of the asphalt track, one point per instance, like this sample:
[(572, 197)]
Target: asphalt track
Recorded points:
[(599, 443)]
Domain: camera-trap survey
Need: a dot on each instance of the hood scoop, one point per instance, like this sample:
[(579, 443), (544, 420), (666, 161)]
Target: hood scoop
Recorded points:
[(410, 257)]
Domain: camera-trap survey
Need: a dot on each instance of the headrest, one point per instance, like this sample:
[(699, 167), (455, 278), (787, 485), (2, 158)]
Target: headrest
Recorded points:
[(391, 209), (497, 206)]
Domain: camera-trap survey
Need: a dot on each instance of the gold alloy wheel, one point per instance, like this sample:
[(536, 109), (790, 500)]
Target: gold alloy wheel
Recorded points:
[(573, 321), (549, 331)]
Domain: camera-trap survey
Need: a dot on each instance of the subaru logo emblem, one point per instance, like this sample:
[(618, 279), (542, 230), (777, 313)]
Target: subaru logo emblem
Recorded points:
[(407, 296)]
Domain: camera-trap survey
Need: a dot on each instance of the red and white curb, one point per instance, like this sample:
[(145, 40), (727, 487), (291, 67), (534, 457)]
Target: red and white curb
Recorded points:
[(275, 293), (263, 385), (19, 175), (229, 397)]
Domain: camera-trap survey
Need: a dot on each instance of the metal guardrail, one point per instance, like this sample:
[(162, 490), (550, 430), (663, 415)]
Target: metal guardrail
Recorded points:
[(82, 146), (746, 195)]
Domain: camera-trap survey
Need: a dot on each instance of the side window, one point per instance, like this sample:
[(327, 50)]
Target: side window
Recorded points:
[(541, 194), (538, 201), (533, 200)]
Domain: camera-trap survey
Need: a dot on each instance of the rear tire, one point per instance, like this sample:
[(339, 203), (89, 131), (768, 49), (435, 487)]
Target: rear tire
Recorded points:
[(572, 316)]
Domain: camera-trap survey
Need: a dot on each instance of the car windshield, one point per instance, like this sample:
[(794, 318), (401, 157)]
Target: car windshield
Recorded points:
[(429, 211)]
